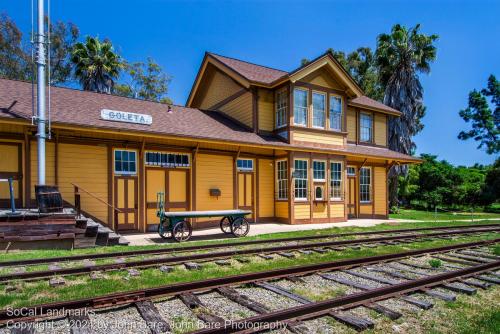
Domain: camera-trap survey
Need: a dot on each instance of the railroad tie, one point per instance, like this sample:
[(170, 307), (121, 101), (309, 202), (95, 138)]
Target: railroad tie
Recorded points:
[(305, 251), (166, 269), (223, 263), (480, 255), (192, 266), (283, 292), (242, 259), (469, 258), (80, 324), (265, 256), (295, 279), (459, 288), (287, 255), (488, 279), (391, 314), (320, 250), (417, 302), (151, 315), (243, 300), (477, 284), (358, 323), (56, 281), (452, 260), (194, 303)]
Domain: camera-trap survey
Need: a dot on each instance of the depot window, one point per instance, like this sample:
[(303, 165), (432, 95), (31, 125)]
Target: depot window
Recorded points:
[(300, 174), (168, 160), (244, 165), (125, 162)]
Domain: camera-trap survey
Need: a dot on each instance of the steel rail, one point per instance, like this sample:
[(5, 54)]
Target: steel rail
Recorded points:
[(323, 308), (229, 244), (46, 310), (218, 255)]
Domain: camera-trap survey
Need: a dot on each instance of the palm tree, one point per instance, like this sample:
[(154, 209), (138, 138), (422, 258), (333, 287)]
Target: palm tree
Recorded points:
[(96, 65), (401, 56)]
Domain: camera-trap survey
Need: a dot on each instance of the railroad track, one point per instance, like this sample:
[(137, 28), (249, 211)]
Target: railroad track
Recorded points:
[(231, 244), (400, 276), (322, 247)]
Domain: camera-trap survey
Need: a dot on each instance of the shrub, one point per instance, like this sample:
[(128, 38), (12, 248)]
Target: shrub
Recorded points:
[(435, 263)]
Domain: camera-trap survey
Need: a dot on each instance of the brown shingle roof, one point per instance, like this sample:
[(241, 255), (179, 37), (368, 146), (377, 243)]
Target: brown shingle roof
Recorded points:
[(365, 101), (251, 72), (82, 109)]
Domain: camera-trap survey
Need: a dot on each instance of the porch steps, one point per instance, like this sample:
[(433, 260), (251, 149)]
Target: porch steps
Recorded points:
[(91, 234)]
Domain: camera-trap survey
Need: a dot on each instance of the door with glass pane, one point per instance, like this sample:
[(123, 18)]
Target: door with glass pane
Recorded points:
[(126, 202), (245, 191), (351, 192)]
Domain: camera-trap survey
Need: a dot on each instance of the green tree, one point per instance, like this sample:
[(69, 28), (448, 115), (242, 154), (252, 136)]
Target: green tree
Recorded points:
[(148, 82), (485, 121), (491, 186), (97, 66), (15, 61), (62, 39), (401, 56)]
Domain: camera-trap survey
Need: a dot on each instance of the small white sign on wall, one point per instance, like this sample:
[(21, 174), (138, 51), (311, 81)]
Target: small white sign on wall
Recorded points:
[(127, 117)]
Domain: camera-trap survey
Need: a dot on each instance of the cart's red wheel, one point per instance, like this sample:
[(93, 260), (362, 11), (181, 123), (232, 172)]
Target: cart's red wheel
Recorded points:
[(225, 225), (240, 227), (182, 231)]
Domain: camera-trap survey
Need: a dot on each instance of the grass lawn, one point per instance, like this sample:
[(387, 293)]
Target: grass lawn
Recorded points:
[(31, 293), (19, 255), (431, 216)]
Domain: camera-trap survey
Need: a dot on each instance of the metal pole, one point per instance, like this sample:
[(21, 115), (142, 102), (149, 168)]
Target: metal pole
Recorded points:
[(40, 62), (12, 200)]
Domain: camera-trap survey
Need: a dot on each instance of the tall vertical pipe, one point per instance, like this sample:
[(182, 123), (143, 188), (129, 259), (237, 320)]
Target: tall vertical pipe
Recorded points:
[(40, 63)]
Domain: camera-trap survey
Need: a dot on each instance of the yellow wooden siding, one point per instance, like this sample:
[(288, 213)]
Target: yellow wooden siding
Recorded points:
[(329, 139), (266, 188), (151, 217), (266, 109), (322, 78), (214, 171), (380, 191), (50, 165), (365, 209), (281, 209), (381, 129), (302, 211), (9, 162), (240, 109), (337, 210), (11, 128), (220, 88), (351, 124), (86, 166), (320, 210)]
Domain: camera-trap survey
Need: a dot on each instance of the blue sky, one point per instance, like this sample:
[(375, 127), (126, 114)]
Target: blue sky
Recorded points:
[(280, 33)]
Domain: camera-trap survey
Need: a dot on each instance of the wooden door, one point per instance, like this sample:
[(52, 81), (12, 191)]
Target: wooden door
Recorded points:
[(174, 183), (126, 201), (11, 166), (351, 197), (245, 191)]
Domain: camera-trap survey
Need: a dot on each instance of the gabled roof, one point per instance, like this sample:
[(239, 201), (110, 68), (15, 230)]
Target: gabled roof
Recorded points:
[(80, 109), (246, 74)]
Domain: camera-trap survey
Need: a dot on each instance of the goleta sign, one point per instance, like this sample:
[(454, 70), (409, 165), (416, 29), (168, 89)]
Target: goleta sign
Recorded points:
[(128, 117)]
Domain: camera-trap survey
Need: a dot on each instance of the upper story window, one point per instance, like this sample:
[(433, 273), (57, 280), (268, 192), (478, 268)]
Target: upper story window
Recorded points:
[(319, 170), (366, 127), (319, 106), (365, 182), (300, 180), (336, 180), (281, 107), (169, 160), (300, 106), (335, 113), (282, 179), (244, 165), (125, 162), (351, 171)]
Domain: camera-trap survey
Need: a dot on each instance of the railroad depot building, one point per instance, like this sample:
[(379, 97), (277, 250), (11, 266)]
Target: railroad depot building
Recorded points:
[(298, 147)]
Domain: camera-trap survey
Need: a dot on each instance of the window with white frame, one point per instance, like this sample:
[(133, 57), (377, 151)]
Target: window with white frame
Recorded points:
[(300, 175), (244, 165), (365, 127), (351, 171), (125, 162), (168, 160), (335, 113), (365, 184), (336, 180), (300, 106), (319, 106), (282, 179), (281, 107), (319, 170)]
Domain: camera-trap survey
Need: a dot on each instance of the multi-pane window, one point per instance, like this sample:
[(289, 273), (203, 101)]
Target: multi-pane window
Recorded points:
[(300, 179), (169, 160), (300, 106), (336, 180), (351, 171), (365, 127), (281, 171), (281, 107), (244, 164), (365, 184), (319, 170), (336, 113), (319, 106), (125, 162)]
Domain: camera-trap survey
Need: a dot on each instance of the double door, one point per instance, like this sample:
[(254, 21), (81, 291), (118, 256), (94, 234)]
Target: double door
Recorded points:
[(245, 190)]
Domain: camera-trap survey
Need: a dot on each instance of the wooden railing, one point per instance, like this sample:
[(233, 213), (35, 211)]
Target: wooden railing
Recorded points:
[(78, 204)]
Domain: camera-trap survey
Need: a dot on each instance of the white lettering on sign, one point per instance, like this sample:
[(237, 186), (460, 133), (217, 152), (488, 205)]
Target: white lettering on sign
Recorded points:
[(128, 117)]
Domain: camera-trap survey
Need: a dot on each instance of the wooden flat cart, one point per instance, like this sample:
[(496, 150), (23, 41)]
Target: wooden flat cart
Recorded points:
[(175, 224)]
